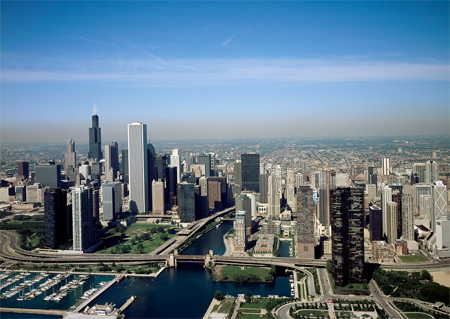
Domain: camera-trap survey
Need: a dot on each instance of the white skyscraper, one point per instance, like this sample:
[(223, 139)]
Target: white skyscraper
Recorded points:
[(158, 198), (385, 166), (407, 213), (386, 197), (431, 172), (175, 160), (137, 167), (438, 203)]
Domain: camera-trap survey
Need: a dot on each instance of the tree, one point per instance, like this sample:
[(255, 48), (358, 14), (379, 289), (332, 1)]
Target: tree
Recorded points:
[(218, 295), (247, 297)]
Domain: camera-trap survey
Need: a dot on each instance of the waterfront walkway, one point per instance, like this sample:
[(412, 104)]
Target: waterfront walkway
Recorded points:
[(34, 311), (95, 295)]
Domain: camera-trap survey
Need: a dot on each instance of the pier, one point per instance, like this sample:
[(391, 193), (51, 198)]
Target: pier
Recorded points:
[(127, 304), (95, 295), (34, 311)]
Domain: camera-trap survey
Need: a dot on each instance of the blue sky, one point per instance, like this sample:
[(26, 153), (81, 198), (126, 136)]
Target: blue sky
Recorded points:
[(224, 69)]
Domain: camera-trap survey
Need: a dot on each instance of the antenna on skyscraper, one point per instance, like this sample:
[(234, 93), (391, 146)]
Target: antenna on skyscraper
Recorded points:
[(95, 109)]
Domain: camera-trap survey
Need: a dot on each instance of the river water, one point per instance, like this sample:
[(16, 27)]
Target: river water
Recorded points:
[(181, 292)]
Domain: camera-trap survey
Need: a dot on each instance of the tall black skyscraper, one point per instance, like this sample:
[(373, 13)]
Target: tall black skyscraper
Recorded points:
[(95, 140), (250, 172), (151, 170), (124, 167), (171, 186), (347, 222), (161, 164), (372, 172), (55, 216)]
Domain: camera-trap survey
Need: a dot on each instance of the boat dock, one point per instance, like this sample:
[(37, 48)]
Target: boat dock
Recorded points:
[(127, 304), (34, 311), (95, 295)]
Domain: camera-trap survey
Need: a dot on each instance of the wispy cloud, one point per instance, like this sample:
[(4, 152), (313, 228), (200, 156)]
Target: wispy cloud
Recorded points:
[(228, 41), (92, 41), (155, 71)]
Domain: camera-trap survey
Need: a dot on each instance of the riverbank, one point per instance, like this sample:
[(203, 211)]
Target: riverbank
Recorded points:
[(223, 273)]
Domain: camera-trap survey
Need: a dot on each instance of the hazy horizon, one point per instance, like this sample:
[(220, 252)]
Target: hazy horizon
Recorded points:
[(195, 70)]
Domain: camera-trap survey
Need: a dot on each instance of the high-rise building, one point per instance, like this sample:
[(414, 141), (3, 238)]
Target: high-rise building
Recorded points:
[(439, 202), (82, 218), (420, 190), (443, 233), (290, 190), (385, 166), (55, 217), (21, 193), (95, 139), (239, 229), (419, 168), (203, 183), (407, 214), (70, 157), (372, 175), (305, 223), (397, 198), (171, 186), (391, 223), (386, 197), (205, 160), (250, 172), (186, 202), (299, 179), (22, 170), (244, 204), (138, 167), (273, 198), (347, 222), (175, 161), (431, 172), (111, 161), (152, 173), (375, 223), (161, 164), (263, 188), (214, 195), (112, 200), (158, 198), (49, 175), (124, 168)]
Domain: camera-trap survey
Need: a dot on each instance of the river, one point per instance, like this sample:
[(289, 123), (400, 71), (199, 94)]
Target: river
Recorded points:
[(180, 292)]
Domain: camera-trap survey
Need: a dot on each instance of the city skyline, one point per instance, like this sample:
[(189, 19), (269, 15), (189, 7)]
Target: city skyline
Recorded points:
[(261, 69)]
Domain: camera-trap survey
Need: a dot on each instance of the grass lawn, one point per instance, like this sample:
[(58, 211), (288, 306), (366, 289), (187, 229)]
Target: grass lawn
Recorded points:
[(418, 315), (256, 304), (315, 312), (411, 259), (137, 230), (225, 305), (250, 310), (232, 271), (252, 316)]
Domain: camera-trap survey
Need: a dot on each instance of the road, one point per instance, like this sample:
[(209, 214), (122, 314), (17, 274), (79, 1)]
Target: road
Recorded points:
[(383, 300)]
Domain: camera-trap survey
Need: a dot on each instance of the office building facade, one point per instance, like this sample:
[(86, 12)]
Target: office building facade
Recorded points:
[(138, 167), (305, 223), (250, 172), (55, 217), (95, 140)]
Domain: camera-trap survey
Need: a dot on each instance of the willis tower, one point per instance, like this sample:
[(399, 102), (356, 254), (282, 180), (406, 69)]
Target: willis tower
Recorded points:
[(95, 141)]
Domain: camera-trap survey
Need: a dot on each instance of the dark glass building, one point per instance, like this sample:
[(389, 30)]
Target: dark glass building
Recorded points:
[(375, 223), (250, 172), (161, 164), (23, 170), (55, 217), (95, 140), (347, 220), (372, 175), (186, 202), (49, 175), (171, 186), (305, 223), (205, 160), (263, 188), (124, 168)]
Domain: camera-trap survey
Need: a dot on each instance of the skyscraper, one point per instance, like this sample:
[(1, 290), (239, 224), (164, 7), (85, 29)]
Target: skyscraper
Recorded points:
[(112, 200), (137, 167), (49, 174), (290, 190), (385, 166), (111, 161), (244, 204), (438, 203), (175, 161), (240, 239), (250, 172), (263, 188), (238, 176), (186, 206), (407, 213), (347, 221), (95, 139), (372, 175), (205, 160), (171, 186), (22, 170), (152, 173), (273, 198), (386, 197), (375, 223), (158, 198), (161, 164), (70, 157), (431, 172), (305, 223), (82, 218), (391, 222), (124, 168), (55, 217)]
